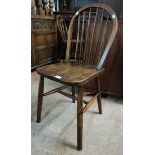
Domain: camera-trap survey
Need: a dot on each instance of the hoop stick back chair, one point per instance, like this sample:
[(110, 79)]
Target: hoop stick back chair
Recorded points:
[(96, 24)]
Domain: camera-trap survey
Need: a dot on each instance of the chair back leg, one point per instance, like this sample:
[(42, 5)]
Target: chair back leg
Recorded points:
[(99, 96), (40, 99), (73, 93), (79, 118)]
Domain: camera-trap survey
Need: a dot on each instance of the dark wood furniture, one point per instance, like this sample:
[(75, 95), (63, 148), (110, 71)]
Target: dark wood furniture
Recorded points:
[(43, 33), (112, 81), (89, 59), (68, 6), (43, 40), (62, 29)]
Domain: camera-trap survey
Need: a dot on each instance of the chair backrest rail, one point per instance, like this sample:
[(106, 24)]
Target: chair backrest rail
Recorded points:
[(103, 38), (85, 55), (100, 26), (77, 41), (95, 25), (81, 40), (92, 35)]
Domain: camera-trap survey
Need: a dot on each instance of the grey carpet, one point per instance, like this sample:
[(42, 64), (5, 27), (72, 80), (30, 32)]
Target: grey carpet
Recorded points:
[(56, 134)]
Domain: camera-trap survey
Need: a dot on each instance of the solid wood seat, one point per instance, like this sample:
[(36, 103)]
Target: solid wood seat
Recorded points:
[(71, 74), (95, 19)]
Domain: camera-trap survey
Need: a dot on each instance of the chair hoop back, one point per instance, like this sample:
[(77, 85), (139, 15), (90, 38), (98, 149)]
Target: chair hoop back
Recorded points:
[(95, 25)]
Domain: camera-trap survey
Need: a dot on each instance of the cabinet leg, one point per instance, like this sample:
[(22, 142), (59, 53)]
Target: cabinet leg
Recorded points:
[(40, 99), (79, 118), (99, 96)]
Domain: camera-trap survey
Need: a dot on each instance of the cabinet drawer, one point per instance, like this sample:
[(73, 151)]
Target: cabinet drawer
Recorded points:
[(45, 38), (45, 54), (41, 25)]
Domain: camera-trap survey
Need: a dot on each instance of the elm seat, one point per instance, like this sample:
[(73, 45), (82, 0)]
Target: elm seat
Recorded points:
[(81, 73)]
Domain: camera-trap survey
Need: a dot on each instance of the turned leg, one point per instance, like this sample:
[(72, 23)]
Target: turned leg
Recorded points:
[(79, 118), (73, 93), (40, 98), (99, 96)]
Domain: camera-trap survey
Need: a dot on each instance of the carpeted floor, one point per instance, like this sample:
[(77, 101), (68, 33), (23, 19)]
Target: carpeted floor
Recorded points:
[(56, 134)]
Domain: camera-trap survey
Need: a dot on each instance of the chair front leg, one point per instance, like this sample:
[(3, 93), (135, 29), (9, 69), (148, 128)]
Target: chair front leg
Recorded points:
[(40, 98), (99, 96), (79, 118)]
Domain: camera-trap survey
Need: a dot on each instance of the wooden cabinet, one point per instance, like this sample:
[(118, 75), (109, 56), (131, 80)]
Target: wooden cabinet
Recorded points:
[(74, 5), (43, 40)]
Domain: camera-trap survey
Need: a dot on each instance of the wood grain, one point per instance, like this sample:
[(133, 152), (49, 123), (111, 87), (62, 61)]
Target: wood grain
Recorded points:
[(43, 40), (71, 74)]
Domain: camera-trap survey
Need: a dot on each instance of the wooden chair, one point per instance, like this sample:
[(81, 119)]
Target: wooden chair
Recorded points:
[(92, 23)]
